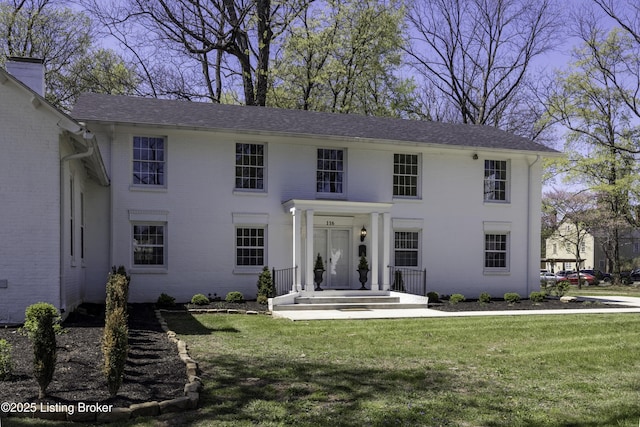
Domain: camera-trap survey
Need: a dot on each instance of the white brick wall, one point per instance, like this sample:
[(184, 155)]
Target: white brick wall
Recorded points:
[(29, 205)]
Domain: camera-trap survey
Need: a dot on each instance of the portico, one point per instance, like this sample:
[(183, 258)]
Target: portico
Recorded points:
[(333, 229)]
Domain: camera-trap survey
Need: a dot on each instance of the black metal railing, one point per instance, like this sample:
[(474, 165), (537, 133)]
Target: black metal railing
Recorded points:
[(408, 280), (283, 279)]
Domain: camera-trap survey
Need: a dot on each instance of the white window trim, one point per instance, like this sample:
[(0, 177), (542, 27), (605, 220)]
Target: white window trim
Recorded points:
[(497, 227), (507, 199), (149, 187), (418, 195), (149, 217), (419, 250), (329, 195), (241, 218), (252, 191)]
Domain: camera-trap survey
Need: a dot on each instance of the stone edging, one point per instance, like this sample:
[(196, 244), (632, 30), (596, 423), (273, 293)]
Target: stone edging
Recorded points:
[(188, 401)]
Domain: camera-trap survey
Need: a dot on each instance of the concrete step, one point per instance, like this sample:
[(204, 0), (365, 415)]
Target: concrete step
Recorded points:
[(346, 300), (350, 306)]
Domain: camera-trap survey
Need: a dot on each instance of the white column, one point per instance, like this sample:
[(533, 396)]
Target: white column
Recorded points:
[(308, 283), (297, 248), (386, 249), (375, 286)]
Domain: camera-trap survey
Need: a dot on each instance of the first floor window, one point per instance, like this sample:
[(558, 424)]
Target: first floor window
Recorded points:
[(149, 244), (250, 245), (495, 251), (406, 248)]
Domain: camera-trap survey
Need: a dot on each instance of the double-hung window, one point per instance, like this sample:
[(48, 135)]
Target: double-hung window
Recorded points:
[(496, 186), (149, 244), (405, 175), (330, 172), (496, 251), (250, 246), (406, 246), (250, 167), (149, 160)]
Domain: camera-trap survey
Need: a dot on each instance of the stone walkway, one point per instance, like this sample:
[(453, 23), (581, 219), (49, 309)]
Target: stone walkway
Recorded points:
[(627, 305)]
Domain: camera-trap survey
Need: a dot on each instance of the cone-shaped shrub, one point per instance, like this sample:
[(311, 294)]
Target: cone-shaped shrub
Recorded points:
[(266, 287), (115, 348), (40, 321)]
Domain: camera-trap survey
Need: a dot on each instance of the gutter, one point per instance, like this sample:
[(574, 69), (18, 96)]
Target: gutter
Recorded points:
[(89, 138), (529, 225)]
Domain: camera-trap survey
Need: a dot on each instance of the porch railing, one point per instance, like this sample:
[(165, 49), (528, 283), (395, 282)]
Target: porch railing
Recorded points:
[(283, 279), (408, 280)]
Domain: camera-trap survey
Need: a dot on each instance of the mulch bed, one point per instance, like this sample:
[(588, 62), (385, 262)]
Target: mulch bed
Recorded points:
[(501, 305), (153, 371)]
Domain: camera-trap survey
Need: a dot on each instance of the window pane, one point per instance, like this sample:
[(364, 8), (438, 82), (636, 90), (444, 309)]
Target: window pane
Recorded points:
[(330, 171), (405, 178), (251, 173)]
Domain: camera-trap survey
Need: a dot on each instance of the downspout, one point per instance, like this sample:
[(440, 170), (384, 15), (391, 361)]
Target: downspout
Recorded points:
[(529, 195), (90, 139)]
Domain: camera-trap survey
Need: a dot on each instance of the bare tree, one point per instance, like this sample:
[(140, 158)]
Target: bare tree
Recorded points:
[(477, 54), (210, 41)]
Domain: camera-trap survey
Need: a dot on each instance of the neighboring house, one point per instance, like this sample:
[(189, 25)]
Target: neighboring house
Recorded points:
[(561, 250), (560, 253), (202, 196), (50, 169)]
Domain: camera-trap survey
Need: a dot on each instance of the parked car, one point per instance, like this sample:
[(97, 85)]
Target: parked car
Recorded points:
[(605, 277), (630, 276), (585, 277), (549, 278)]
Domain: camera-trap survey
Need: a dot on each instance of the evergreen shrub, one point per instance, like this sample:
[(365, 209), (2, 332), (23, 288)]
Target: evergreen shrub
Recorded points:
[(115, 348), (199, 299), (6, 363), (456, 298), (266, 287), (40, 323), (485, 298), (234, 296), (512, 297)]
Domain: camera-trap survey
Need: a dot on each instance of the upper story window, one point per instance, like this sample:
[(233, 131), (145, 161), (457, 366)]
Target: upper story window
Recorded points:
[(250, 167), (405, 175), (330, 178), (149, 160), (495, 180)]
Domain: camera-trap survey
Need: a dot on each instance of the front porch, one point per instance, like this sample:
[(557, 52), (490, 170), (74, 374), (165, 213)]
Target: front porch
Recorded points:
[(340, 232), (348, 304)]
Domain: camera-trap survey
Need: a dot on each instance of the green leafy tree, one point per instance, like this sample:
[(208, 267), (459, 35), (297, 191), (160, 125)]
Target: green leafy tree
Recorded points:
[(344, 56), (602, 142), (63, 39)]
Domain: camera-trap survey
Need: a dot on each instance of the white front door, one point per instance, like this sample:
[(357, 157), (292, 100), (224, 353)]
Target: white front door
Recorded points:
[(333, 246)]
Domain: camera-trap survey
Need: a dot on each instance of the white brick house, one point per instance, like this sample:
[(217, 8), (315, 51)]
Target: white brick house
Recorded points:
[(201, 196), (50, 168)]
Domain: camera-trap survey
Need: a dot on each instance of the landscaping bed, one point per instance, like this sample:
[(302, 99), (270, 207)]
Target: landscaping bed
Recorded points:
[(153, 372)]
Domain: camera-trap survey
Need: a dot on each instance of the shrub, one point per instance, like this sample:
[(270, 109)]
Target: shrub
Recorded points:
[(456, 298), (40, 324), (6, 364), (117, 291), (536, 296), (485, 298), (165, 299), (234, 296), (512, 297), (433, 296), (115, 347), (262, 300), (562, 288), (199, 299), (266, 287)]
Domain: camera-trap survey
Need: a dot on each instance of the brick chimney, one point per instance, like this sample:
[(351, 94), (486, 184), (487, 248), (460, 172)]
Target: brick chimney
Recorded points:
[(29, 71)]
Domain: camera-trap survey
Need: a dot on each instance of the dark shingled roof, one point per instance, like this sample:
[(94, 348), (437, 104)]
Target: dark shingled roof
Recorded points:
[(151, 111)]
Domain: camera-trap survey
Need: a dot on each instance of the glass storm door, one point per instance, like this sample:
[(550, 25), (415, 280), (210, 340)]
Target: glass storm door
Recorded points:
[(333, 246)]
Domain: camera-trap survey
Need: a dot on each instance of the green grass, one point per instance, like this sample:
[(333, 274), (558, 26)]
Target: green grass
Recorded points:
[(569, 370), (630, 291)]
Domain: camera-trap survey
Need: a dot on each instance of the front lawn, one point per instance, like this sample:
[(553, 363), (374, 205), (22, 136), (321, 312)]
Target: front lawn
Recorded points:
[(578, 370), (629, 291)]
